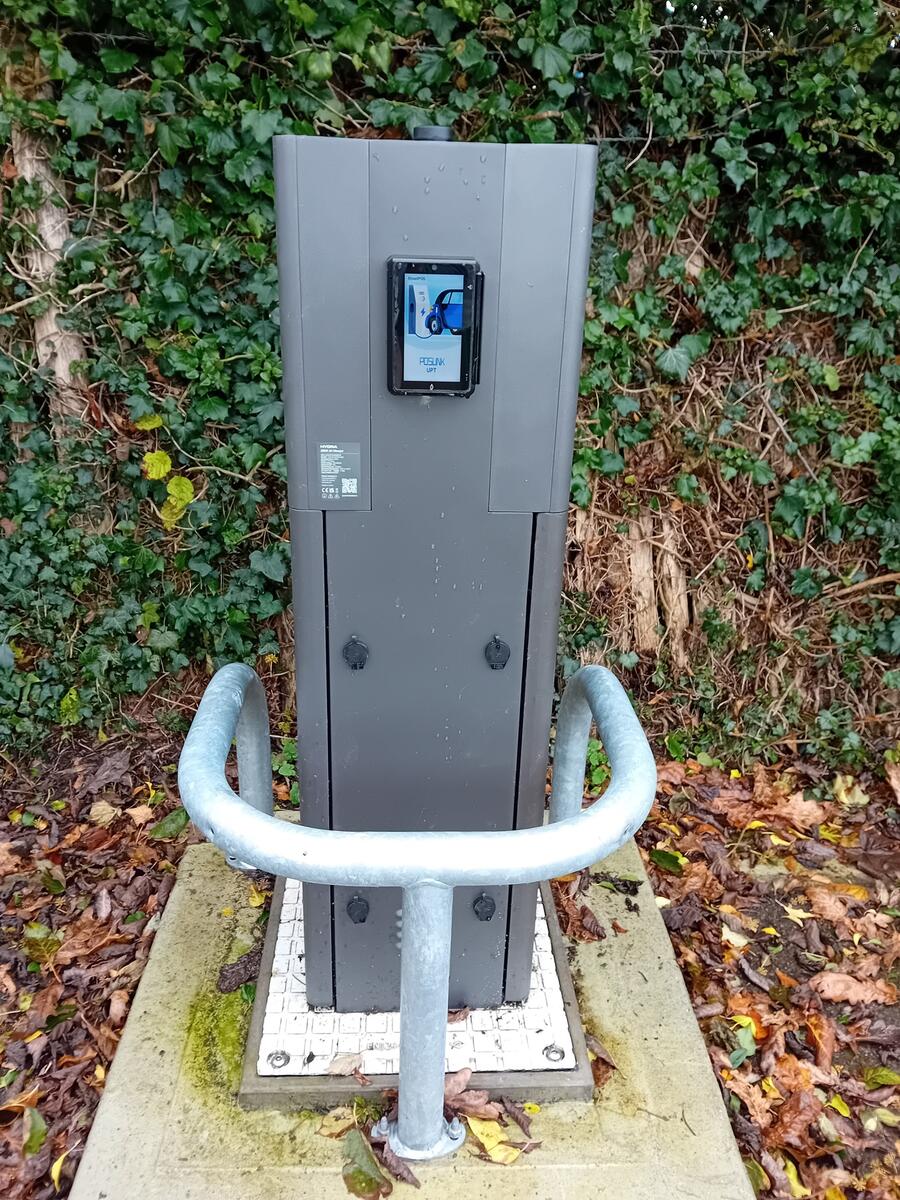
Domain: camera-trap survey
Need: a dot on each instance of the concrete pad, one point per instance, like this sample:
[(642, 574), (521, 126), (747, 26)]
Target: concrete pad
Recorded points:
[(169, 1126)]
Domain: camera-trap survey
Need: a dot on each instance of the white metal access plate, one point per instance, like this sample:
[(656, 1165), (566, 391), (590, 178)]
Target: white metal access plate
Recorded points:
[(298, 1040)]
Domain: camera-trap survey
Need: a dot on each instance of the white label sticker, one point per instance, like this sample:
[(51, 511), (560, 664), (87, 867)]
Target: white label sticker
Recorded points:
[(339, 467)]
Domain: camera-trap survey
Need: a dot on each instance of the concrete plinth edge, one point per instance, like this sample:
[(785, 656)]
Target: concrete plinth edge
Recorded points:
[(169, 1124)]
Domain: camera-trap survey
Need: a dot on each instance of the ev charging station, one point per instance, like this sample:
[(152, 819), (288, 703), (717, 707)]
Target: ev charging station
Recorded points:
[(432, 297)]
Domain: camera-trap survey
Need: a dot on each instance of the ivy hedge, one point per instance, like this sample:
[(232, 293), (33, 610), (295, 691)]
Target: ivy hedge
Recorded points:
[(154, 537)]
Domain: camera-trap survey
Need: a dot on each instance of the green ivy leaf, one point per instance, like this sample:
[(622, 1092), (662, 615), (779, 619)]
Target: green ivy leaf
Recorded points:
[(319, 65), (70, 708), (551, 61), (117, 104), (262, 126), (81, 115), (270, 563), (117, 61), (677, 360), (170, 826), (441, 22)]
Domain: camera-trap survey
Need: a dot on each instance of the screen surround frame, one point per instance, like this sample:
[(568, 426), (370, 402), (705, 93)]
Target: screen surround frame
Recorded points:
[(470, 337)]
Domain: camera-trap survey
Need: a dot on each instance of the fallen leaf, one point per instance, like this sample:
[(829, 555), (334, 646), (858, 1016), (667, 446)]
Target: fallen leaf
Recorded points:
[(518, 1114), (669, 860), (257, 897), (243, 970), (345, 1064), (791, 1127), (102, 813), (336, 1123), (111, 771), (797, 915), (798, 1191), (24, 1100), (839, 986), (56, 1169), (591, 924), (396, 1166), (492, 1137), (361, 1173), (822, 1035), (140, 814), (118, 1007), (85, 936), (848, 793), (171, 825), (876, 1077), (35, 1132)]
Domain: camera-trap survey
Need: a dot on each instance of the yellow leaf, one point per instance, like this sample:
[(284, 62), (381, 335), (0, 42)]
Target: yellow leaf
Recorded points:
[(99, 1073), (33, 1036), (755, 825), (835, 1193), (839, 1104), (56, 1169), (257, 898), (771, 930), (492, 1137), (734, 774), (670, 827), (150, 421), (778, 841), (848, 793), (797, 1189), (749, 560), (797, 915), (830, 833), (531, 1108), (227, 912), (157, 464), (768, 1086)]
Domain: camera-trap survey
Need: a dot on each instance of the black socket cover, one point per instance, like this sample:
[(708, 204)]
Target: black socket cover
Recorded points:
[(356, 654), (497, 653)]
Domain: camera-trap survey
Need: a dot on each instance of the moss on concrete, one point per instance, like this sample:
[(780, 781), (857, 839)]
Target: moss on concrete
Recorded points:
[(216, 1039)]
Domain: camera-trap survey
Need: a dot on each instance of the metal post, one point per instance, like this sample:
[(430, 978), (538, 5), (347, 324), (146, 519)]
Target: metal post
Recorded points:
[(426, 864), (254, 748), (422, 1131)]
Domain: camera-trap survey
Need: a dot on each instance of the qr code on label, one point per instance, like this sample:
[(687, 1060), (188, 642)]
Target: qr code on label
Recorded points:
[(348, 486)]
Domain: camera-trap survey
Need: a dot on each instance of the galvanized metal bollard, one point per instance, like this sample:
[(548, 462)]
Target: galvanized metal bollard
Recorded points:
[(427, 865)]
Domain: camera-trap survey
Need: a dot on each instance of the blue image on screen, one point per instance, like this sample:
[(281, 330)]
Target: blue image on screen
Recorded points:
[(432, 348)]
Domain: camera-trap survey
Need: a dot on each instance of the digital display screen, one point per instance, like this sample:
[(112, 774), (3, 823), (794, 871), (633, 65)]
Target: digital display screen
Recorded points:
[(434, 306), (434, 326)]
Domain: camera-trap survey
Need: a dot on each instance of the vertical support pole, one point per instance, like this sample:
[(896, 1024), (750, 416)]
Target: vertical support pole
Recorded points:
[(421, 1130)]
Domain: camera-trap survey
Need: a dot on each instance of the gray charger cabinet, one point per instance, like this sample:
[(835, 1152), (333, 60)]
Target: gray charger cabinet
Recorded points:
[(428, 530)]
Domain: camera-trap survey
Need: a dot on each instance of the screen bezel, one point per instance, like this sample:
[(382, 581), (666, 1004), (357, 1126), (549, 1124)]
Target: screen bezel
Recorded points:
[(398, 269)]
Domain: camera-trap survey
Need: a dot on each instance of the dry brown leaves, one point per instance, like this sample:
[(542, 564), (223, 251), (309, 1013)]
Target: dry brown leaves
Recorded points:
[(784, 908), (89, 896)]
